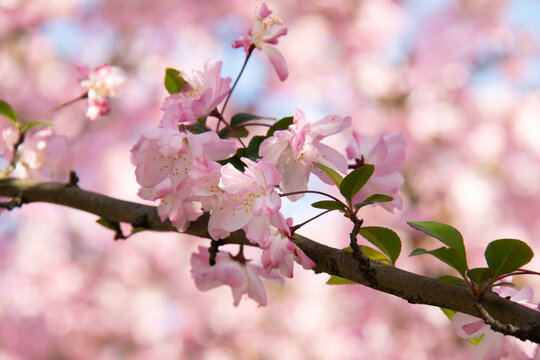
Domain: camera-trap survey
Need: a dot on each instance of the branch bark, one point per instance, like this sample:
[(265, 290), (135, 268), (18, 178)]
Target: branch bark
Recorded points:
[(414, 288)]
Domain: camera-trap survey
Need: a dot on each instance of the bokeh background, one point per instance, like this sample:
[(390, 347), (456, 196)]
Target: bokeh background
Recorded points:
[(460, 77)]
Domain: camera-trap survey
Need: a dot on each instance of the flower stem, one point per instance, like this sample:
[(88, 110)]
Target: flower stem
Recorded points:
[(250, 51), (58, 107)]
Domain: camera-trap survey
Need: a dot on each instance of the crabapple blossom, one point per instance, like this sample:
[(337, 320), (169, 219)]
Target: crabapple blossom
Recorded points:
[(201, 94), (101, 83), (293, 151), (495, 345), (279, 252), (387, 154), (39, 155), (8, 138), (241, 276), (252, 202), (263, 35)]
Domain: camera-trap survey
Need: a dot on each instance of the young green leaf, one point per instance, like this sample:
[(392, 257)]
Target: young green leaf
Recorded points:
[(173, 81), (354, 181), (281, 124), (450, 236), (7, 111), (452, 280), (332, 174), (240, 118), (449, 256), (329, 205), (481, 275), (253, 147), (375, 198), (384, 239), (506, 255)]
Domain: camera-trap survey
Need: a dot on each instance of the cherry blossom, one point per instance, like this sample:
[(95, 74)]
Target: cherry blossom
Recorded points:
[(279, 252), (8, 138), (252, 202), (198, 97), (387, 154), (241, 276), (265, 33), (293, 151), (40, 154), (495, 345), (101, 83)]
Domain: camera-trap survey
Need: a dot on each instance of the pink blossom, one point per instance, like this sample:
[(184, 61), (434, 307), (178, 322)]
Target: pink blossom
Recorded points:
[(242, 277), (263, 35), (293, 151), (8, 138), (494, 345), (198, 98), (40, 154), (279, 252), (101, 83), (252, 202), (387, 154)]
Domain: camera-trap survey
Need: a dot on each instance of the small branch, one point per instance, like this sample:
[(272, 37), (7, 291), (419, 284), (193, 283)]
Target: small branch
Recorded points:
[(237, 78), (58, 107)]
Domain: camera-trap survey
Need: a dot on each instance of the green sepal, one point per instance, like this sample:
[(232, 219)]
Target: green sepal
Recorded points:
[(173, 81), (281, 124), (504, 256), (329, 205), (7, 111), (384, 239), (355, 180), (332, 174)]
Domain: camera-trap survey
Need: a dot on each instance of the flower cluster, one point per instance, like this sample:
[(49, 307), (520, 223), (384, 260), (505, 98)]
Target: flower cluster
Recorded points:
[(494, 345), (100, 83)]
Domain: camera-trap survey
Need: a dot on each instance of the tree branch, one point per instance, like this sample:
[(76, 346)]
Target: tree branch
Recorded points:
[(416, 289)]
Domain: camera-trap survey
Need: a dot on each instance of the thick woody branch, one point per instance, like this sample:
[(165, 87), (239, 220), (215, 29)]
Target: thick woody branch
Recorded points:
[(416, 289)]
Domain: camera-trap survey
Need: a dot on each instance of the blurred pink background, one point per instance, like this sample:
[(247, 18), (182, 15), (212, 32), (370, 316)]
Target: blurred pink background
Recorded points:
[(461, 78)]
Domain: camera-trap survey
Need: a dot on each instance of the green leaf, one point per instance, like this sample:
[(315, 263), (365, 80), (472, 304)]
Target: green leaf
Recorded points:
[(253, 147), (448, 312), (7, 111), (32, 124), (235, 160), (481, 275), (198, 128), (329, 205), (338, 280), (445, 233), (106, 223), (354, 182), (506, 255), (138, 230), (173, 81), (452, 280), (370, 253), (449, 256), (241, 118), (227, 133), (332, 174), (376, 198), (282, 124), (384, 239)]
